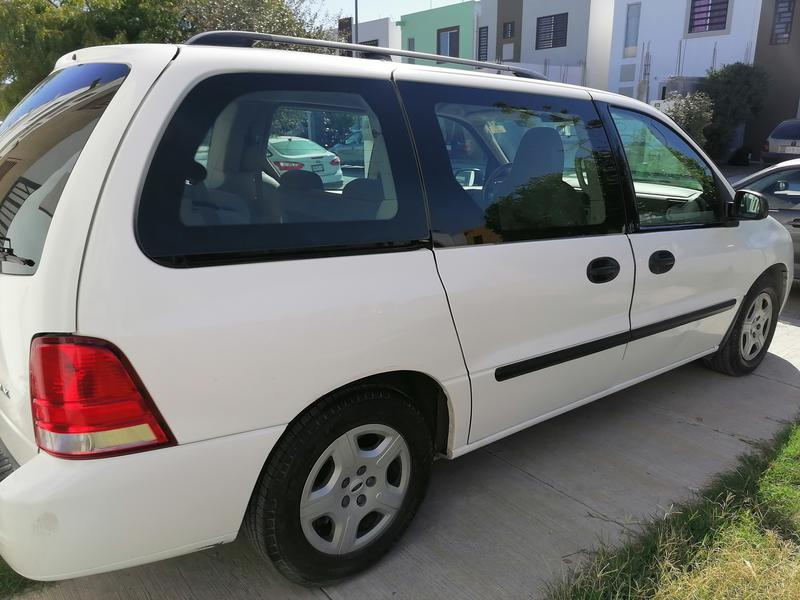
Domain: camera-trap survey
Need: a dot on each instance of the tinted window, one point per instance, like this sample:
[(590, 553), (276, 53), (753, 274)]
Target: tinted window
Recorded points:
[(52, 126), (673, 185), (258, 165), (789, 130), (503, 167), (65, 83)]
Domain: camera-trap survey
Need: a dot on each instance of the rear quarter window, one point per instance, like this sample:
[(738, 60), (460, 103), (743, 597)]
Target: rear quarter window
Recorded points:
[(40, 142), (256, 167)]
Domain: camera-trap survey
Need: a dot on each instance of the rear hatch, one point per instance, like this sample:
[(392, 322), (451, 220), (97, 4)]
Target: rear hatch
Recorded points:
[(55, 148)]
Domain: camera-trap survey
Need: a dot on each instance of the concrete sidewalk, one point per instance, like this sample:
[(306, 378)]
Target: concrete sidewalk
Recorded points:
[(502, 521)]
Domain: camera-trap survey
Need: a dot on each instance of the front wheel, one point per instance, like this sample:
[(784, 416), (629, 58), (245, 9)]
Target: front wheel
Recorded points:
[(342, 485), (751, 334)]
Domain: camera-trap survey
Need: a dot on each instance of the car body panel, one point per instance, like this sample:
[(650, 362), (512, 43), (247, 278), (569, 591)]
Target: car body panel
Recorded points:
[(386, 306), (47, 300), (65, 518)]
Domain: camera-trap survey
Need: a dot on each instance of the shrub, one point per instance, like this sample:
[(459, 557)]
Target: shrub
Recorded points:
[(738, 92), (693, 112)]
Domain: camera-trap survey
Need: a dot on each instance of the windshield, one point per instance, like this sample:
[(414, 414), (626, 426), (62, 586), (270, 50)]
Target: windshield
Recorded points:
[(54, 123)]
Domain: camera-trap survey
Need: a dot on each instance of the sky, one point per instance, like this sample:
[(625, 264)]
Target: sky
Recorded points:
[(376, 9)]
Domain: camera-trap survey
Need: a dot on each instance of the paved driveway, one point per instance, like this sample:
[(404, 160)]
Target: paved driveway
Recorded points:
[(503, 520)]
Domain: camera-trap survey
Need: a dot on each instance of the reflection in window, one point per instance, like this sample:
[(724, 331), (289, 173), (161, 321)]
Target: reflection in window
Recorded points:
[(673, 185), (256, 165), (50, 127), (522, 173)]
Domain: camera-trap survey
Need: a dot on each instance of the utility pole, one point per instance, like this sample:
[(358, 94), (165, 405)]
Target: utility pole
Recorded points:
[(355, 25)]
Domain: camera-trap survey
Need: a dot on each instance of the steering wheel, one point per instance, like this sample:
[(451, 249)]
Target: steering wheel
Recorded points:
[(582, 174), (490, 184)]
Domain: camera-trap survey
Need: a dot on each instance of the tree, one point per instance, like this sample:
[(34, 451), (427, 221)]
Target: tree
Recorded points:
[(693, 112), (738, 92), (35, 33)]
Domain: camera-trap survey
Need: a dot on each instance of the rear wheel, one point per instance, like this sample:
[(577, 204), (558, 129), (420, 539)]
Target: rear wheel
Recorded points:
[(751, 334), (342, 485)]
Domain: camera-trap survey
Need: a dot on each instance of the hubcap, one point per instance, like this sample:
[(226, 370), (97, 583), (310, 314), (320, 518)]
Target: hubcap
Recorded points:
[(756, 326), (355, 489)]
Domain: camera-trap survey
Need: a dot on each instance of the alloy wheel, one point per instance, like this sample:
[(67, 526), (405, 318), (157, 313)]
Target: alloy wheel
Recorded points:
[(756, 326)]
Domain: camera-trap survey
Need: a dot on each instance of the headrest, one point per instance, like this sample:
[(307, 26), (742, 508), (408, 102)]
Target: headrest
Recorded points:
[(367, 190), (300, 180), (542, 152), (195, 172)]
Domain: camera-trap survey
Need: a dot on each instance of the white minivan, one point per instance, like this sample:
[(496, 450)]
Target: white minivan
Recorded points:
[(189, 349)]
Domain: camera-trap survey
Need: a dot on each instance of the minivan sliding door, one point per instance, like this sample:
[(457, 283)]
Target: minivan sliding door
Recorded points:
[(528, 225)]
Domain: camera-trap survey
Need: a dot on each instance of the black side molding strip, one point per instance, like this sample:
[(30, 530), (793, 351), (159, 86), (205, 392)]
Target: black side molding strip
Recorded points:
[(560, 356)]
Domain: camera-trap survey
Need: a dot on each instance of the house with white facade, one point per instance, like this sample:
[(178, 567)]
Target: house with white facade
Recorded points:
[(379, 32), (640, 48), (544, 35), (648, 48)]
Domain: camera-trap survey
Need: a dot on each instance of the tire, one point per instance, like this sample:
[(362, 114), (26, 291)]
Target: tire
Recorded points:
[(736, 356), (315, 466)]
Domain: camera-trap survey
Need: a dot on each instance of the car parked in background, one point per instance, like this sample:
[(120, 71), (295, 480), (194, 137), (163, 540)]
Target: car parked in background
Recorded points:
[(289, 153), (351, 150), (780, 184), (783, 143)]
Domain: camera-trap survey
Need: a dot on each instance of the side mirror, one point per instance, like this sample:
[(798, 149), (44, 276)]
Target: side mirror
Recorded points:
[(750, 206), (467, 177)]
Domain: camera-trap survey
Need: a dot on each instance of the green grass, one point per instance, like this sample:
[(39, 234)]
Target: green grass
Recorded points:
[(746, 523), (11, 583)]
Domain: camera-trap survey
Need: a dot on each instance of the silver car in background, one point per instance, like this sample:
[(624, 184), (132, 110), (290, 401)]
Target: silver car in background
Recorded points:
[(781, 185), (783, 143), (291, 153)]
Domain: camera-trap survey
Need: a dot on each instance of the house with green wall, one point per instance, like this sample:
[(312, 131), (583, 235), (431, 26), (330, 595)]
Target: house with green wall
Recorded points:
[(447, 30)]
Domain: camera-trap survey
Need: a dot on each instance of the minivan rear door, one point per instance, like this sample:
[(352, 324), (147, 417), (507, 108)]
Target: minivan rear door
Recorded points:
[(55, 148), (528, 223)]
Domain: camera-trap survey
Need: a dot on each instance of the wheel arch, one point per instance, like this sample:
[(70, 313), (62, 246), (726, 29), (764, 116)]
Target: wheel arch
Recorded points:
[(425, 392), (778, 274)]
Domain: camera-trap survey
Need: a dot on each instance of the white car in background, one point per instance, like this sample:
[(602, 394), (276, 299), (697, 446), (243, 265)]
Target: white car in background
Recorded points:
[(290, 153), (783, 143)]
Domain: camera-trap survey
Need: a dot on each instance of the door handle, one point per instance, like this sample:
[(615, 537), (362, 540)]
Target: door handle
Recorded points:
[(661, 261), (602, 270), (795, 223)]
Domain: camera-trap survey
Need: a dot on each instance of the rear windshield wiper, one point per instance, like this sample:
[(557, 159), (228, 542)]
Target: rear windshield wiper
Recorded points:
[(7, 254)]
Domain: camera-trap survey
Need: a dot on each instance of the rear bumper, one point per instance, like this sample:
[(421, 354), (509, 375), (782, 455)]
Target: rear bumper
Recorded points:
[(66, 518)]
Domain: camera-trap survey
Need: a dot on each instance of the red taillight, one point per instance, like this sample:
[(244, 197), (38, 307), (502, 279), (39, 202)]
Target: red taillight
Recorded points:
[(765, 147), (87, 401), (336, 161), (289, 166)]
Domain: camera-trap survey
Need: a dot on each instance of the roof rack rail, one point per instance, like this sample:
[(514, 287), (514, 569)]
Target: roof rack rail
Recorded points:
[(246, 39)]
